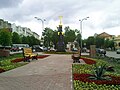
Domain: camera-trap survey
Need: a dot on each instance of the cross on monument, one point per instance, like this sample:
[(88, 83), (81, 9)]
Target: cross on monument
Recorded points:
[(60, 17)]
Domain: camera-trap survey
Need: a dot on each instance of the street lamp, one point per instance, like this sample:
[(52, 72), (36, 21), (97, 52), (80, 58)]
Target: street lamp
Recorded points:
[(81, 20), (42, 20)]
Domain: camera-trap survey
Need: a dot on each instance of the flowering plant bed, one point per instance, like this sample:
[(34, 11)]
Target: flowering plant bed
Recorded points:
[(2, 70), (42, 56), (17, 60), (88, 61), (22, 59), (85, 78)]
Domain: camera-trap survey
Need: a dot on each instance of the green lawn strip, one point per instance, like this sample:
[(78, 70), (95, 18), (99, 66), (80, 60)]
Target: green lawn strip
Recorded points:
[(85, 68), (6, 64)]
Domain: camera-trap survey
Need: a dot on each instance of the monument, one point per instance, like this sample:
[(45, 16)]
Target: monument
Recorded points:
[(60, 43)]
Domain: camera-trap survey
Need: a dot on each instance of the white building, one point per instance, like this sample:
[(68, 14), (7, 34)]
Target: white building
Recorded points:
[(36, 35), (23, 31)]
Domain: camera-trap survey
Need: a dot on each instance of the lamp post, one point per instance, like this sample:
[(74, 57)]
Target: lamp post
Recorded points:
[(81, 20), (42, 20)]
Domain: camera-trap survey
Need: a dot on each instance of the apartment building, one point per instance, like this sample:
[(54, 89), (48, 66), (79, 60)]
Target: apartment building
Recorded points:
[(18, 29)]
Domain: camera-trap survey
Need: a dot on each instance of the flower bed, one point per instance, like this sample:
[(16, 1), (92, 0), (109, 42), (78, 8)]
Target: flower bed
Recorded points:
[(88, 61), (2, 70), (42, 56), (85, 78), (17, 60), (22, 59), (82, 74)]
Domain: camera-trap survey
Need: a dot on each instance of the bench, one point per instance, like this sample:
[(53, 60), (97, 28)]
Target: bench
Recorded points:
[(28, 54), (76, 56)]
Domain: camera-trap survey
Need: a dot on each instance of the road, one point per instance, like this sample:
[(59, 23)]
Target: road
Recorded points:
[(108, 53), (112, 54)]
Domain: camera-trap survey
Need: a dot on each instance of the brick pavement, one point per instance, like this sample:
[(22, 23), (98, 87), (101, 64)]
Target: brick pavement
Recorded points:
[(51, 73)]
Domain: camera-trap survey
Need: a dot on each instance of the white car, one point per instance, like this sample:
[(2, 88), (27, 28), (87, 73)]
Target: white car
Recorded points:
[(118, 51)]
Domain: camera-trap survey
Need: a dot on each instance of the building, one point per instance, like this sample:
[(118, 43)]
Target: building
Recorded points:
[(106, 36), (36, 35), (117, 42), (22, 31), (6, 25)]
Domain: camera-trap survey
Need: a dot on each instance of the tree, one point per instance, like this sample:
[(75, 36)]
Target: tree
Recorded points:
[(25, 40), (90, 41), (69, 35), (48, 37), (55, 38), (99, 41), (5, 37), (16, 38)]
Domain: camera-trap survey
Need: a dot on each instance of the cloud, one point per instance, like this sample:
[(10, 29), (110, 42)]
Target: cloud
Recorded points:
[(104, 14), (9, 3)]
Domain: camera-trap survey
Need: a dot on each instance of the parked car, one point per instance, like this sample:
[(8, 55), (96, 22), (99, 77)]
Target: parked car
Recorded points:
[(37, 48), (14, 49), (45, 49), (118, 51), (74, 49), (87, 51), (52, 49), (102, 51)]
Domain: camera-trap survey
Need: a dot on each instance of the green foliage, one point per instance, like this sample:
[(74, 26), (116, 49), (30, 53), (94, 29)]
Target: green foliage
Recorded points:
[(84, 68), (5, 37), (99, 42), (31, 40), (16, 38), (78, 85), (48, 37), (55, 38), (6, 64), (24, 40), (99, 72), (69, 35)]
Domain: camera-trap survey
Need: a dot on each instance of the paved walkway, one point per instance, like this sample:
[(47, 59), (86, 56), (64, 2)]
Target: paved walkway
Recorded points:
[(51, 73)]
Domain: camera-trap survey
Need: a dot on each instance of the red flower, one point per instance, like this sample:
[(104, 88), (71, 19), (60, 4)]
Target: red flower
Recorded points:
[(85, 78), (88, 61)]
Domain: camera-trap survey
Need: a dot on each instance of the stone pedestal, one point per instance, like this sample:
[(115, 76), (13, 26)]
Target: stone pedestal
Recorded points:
[(60, 44), (92, 50)]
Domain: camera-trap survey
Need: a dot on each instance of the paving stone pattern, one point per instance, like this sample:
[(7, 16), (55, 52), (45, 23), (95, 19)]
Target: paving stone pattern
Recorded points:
[(51, 73)]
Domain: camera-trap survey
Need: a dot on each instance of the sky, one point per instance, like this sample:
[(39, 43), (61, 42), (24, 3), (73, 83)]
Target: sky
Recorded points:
[(104, 15)]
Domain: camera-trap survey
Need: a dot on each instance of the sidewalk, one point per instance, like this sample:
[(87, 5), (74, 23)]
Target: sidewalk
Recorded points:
[(51, 73)]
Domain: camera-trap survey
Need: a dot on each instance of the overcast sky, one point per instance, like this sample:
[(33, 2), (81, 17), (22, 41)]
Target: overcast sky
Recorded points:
[(104, 15)]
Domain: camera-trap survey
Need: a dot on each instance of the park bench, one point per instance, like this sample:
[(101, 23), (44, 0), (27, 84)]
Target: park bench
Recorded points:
[(76, 56), (28, 54)]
